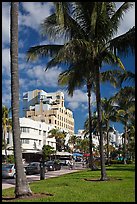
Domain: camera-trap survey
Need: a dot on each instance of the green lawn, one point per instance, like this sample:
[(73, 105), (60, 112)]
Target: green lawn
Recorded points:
[(74, 188)]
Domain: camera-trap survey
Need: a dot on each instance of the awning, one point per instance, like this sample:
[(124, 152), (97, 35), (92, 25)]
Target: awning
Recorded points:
[(63, 154), (86, 155), (77, 155)]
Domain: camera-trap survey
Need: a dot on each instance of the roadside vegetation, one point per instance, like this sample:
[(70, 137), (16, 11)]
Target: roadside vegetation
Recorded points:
[(83, 186)]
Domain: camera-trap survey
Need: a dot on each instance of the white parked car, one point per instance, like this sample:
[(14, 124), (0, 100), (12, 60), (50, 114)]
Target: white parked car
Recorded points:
[(9, 171)]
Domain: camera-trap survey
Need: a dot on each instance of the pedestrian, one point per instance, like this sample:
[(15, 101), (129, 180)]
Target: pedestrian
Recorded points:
[(83, 163), (71, 164), (87, 163)]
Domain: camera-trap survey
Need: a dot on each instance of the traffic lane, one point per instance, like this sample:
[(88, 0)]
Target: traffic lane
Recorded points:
[(7, 183)]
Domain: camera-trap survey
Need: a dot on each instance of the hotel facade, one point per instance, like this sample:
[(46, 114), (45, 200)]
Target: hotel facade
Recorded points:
[(49, 108)]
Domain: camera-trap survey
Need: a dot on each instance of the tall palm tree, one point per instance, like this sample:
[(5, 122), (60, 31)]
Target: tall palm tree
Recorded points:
[(90, 28), (76, 78), (21, 187)]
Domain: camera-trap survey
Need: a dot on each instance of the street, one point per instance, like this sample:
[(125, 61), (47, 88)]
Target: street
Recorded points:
[(7, 183)]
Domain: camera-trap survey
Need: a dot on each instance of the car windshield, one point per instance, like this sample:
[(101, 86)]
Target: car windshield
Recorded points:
[(7, 166), (49, 162), (33, 164)]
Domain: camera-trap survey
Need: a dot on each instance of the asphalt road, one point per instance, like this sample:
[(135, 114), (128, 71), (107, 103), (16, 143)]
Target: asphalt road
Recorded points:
[(8, 183)]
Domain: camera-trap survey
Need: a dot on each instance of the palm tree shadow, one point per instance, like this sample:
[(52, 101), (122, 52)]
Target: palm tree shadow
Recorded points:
[(97, 179), (121, 169), (8, 198)]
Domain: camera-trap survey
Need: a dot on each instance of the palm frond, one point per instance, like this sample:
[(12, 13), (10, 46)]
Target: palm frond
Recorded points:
[(72, 52), (118, 15), (62, 11), (123, 43), (126, 76), (73, 78), (110, 58), (111, 76), (51, 29), (54, 29), (42, 50)]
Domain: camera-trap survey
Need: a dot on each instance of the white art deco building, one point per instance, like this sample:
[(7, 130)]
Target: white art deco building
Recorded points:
[(34, 134)]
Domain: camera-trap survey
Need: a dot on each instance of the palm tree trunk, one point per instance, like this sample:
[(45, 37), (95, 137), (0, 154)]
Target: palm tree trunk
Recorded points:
[(90, 128), (21, 187), (125, 145), (98, 100), (107, 141)]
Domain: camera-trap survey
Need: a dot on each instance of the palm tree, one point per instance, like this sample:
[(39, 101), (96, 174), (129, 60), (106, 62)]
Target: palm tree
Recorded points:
[(60, 138), (83, 145), (90, 30), (131, 139), (73, 140), (21, 187), (125, 110), (108, 113)]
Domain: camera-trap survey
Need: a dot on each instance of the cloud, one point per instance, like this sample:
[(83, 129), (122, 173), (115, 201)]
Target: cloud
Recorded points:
[(79, 99), (5, 23), (6, 92), (48, 78), (35, 13), (6, 61)]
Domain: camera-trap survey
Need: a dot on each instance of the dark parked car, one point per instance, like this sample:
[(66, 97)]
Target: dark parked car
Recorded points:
[(53, 165), (33, 168)]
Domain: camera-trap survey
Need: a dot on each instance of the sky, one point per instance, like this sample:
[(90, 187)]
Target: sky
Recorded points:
[(32, 75)]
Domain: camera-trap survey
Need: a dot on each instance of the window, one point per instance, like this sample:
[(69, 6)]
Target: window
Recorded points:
[(39, 132), (25, 141), (49, 121), (44, 133), (7, 140), (58, 96), (55, 121), (24, 129)]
